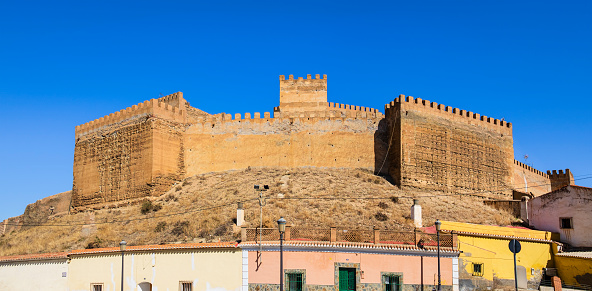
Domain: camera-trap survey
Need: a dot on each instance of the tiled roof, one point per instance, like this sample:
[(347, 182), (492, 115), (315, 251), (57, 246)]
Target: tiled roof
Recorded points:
[(65, 255), (502, 236), (348, 245), (32, 257), (157, 247), (585, 255)]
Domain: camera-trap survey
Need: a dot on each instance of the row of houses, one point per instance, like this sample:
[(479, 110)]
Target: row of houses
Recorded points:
[(472, 257)]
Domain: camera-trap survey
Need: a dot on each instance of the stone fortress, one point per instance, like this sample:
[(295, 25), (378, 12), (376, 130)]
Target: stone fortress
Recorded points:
[(143, 150)]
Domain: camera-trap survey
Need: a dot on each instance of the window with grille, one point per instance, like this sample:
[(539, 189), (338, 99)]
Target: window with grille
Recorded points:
[(96, 287), (478, 270), (185, 286), (566, 222), (392, 283), (294, 282)]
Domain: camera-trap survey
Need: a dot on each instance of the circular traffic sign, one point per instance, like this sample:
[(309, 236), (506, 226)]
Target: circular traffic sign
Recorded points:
[(515, 246)]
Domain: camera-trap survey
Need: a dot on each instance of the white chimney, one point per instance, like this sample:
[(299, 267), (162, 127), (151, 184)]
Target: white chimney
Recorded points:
[(240, 215), (416, 213)]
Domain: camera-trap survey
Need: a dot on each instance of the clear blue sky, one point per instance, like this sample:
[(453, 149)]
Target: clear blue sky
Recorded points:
[(66, 63)]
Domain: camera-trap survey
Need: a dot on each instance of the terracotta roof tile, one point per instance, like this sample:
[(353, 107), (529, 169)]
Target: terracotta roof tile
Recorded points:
[(157, 247), (355, 245), (501, 236), (584, 255), (32, 257)]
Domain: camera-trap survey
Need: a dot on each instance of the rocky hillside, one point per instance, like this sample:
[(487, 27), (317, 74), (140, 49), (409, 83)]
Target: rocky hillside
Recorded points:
[(203, 208)]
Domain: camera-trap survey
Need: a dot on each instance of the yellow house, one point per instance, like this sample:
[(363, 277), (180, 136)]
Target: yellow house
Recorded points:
[(575, 268), (186, 267), (486, 262)]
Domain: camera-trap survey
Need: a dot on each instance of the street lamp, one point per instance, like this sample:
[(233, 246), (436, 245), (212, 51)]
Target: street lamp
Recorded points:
[(122, 245), (438, 224), (282, 228)]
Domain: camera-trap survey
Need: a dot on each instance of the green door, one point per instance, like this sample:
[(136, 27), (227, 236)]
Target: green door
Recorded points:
[(347, 279)]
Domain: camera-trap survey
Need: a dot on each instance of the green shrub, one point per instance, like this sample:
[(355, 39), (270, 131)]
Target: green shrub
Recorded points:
[(160, 226)]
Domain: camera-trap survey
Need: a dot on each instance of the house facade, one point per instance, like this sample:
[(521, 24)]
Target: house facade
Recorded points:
[(328, 266), (565, 211), (34, 272), (486, 262)]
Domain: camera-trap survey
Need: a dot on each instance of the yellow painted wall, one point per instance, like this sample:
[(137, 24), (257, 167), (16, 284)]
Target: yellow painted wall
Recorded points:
[(496, 257), (574, 271), (211, 269)]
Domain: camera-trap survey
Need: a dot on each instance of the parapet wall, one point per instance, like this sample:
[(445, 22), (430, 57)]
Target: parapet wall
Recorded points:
[(460, 115), (527, 179), (560, 179), (160, 107)]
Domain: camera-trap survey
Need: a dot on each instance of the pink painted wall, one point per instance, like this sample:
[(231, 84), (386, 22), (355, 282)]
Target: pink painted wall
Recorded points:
[(320, 267)]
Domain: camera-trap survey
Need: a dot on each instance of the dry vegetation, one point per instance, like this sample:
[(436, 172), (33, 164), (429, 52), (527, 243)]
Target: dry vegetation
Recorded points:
[(203, 208)]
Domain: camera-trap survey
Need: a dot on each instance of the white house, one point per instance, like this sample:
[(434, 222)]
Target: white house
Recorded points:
[(34, 272), (565, 211)]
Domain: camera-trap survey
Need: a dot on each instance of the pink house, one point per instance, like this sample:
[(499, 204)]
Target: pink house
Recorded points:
[(348, 266)]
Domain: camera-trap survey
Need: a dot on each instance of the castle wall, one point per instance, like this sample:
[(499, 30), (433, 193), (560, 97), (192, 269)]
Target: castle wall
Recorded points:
[(281, 142), (133, 153), (442, 148), (530, 180)]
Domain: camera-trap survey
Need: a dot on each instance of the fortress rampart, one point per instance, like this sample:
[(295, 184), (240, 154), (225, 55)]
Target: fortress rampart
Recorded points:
[(170, 107), (142, 150)]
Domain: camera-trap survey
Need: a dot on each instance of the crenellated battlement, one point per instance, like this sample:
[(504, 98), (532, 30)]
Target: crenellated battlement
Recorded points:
[(301, 79), (560, 179), (442, 110), (554, 174), (312, 116), (531, 169), (160, 107), (301, 95)]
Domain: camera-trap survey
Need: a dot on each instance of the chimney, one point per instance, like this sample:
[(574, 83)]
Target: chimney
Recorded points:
[(240, 215), (416, 213)]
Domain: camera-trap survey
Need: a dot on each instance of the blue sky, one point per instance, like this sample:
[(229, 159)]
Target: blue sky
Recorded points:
[(66, 63)]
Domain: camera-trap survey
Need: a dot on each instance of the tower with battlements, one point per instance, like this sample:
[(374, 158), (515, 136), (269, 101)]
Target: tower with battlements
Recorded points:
[(141, 151)]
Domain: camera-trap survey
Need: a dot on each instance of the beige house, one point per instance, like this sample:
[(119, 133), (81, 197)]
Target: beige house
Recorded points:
[(565, 211), (186, 267), (34, 272)]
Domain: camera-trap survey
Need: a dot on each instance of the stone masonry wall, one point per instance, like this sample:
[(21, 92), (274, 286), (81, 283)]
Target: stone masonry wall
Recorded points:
[(441, 148), (340, 142), (132, 154)]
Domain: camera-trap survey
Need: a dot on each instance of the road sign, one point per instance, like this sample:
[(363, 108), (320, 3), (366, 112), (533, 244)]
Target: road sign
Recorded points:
[(515, 246)]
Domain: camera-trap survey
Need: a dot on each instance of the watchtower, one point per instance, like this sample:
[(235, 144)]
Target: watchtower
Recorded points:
[(303, 95)]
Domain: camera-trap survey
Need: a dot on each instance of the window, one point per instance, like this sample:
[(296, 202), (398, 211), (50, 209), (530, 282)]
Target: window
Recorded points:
[(477, 269), (294, 281), (565, 223), (391, 282), (185, 286), (347, 279), (96, 287)]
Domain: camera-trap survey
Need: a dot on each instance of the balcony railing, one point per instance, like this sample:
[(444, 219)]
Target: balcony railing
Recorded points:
[(336, 234)]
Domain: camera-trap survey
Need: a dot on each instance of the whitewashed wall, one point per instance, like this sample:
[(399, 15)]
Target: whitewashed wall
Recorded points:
[(34, 275)]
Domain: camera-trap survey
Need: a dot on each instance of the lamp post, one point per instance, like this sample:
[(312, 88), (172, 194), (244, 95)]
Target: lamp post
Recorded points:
[(438, 223), (122, 245), (282, 228)]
